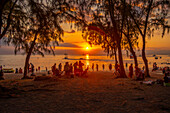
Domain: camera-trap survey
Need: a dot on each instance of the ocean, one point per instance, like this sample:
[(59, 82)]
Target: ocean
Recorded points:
[(18, 61)]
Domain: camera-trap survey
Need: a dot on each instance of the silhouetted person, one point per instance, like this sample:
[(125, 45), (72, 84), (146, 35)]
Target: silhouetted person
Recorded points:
[(32, 68), (53, 68), (67, 68), (131, 70), (103, 66), (81, 67), (116, 66), (93, 66), (60, 67), (20, 70), (110, 67), (39, 68), (75, 68), (126, 64), (16, 70), (97, 67), (71, 68)]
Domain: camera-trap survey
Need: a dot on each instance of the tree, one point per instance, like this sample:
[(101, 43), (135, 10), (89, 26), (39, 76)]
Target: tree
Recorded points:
[(7, 8), (148, 15), (41, 30)]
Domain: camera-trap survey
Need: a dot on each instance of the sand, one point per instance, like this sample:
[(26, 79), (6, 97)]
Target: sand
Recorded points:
[(99, 92)]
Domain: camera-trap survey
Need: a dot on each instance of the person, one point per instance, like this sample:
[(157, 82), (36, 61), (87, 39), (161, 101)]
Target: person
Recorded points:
[(166, 79), (97, 67), (66, 68), (93, 66), (46, 69), (16, 70), (60, 67), (103, 66), (20, 70), (71, 68), (32, 68), (1, 73), (75, 65), (126, 64), (81, 67), (39, 68), (53, 68), (139, 74), (131, 70), (110, 67), (116, 66)]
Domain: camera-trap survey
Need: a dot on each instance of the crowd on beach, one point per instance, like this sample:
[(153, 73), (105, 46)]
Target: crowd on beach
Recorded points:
[(77, 69), (70, 69)]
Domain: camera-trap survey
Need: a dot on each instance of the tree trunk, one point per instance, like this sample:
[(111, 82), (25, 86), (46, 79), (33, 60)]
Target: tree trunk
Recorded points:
[(28, 57), (135, 58), (122, 69), (115, 55), (144, 59), (132, 51), (26, 64)]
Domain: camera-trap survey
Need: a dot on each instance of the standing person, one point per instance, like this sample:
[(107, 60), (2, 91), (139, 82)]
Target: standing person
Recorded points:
[(97, 67), (39, 68), (75, 65), (20, 70), (81, 67), (60, 67), (131, 70), (110, 67), (126, 64), (71, 68), (67, 69), (53, 68), (93, 66), (103, 67), (32, 68), (46, 69), (116, 66)]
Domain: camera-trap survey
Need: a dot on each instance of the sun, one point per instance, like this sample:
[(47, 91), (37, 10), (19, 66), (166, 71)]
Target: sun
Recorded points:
[(87, 48)]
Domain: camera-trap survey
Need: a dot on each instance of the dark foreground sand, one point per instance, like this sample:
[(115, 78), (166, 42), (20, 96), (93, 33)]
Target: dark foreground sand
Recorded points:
[(99, 92)]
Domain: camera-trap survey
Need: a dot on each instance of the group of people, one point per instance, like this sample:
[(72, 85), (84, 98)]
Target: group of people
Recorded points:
[(69, 69), (18, 71), (103, 67), (139, 74)]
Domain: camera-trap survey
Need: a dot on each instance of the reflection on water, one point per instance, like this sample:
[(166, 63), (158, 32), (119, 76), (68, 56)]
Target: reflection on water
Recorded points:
[(17, 61), (87, 56)]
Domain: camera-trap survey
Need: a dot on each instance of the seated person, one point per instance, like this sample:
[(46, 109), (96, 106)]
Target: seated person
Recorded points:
[(20, 70), (166, 79), (139, 74)]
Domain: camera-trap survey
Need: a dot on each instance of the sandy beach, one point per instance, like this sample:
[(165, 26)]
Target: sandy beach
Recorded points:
[(99, 92)]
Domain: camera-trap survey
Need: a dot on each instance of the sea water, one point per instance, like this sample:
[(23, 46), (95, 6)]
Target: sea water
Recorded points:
[(18, 61)]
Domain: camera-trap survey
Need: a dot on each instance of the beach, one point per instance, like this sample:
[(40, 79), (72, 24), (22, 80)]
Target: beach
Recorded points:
[(99, 92)]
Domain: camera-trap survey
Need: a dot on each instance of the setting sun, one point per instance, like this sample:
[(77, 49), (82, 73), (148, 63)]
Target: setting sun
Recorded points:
[(87, 48)]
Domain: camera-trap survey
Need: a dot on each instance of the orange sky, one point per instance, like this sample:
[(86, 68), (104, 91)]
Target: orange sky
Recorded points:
[(156, 42)]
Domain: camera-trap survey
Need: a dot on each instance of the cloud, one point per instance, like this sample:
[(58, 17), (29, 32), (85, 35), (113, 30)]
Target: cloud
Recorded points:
[(72, 31), (68, 45)]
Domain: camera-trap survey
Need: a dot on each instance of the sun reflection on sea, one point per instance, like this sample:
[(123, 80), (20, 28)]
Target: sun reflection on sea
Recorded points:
[(87, 60), (87, 56)]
